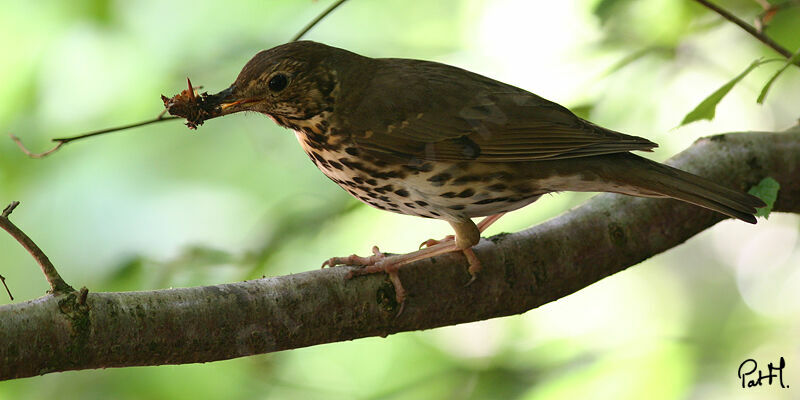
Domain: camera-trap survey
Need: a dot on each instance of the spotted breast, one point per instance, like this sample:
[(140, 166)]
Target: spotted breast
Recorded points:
[(448, 191)]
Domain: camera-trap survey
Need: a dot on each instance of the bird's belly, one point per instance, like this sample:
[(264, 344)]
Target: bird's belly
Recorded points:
[(380, 186), (448, 191)]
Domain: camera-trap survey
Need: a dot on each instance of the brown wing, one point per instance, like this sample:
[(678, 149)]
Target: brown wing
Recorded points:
[(430, 111)]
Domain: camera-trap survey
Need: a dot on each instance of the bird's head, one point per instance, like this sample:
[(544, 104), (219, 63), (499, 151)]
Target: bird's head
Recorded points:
[(294, 81)]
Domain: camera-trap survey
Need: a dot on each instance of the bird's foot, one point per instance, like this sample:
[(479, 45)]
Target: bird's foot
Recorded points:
[(474, 264), (356, 260), (391, 268), (379, 262)]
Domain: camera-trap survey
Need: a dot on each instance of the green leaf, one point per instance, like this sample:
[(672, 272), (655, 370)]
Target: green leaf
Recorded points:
[(766, 190), (795, 58), (708, 107)]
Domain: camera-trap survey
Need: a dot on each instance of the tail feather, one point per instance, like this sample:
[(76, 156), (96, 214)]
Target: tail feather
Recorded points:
[(664, 181)]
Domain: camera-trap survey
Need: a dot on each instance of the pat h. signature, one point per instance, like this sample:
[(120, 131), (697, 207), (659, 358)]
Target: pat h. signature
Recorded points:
[(752, 376)]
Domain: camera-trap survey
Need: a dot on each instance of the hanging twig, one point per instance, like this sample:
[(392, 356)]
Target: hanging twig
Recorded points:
[(57, 284), (62, 141), (31, 154), (316, 20), (160, 118)]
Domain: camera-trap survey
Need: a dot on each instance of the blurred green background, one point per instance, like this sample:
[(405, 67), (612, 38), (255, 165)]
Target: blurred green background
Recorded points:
[(161, 206)]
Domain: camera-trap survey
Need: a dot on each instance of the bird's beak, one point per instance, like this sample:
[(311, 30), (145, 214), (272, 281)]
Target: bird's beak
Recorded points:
[(230, 102)]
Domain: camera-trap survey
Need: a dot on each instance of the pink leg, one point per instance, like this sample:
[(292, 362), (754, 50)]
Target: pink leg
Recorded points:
[(482, 226), (488, 221), (379, 262)]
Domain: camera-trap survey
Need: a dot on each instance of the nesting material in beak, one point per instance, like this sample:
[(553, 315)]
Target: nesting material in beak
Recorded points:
[(197, 108)]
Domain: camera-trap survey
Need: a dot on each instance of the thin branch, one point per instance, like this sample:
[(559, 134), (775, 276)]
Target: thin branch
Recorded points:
[(160, 118), (32, 154), (9, 209), (748, 28), (57, 284), (522, 270), (317, 20), (3, 278), (62, 141)]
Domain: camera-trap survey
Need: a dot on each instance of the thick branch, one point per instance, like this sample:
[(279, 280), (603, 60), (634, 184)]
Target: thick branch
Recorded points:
[(521, 271)]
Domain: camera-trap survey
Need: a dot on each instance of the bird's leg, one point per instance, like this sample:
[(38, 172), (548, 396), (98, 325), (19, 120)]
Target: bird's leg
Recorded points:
[(485, 223), (468, 235), (488, 221), (392, 263)]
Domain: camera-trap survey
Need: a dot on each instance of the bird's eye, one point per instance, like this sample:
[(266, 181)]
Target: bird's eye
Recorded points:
[(278, 82)]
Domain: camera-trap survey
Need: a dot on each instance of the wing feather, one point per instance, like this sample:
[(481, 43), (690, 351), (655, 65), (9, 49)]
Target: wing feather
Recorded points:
[(436, 112)]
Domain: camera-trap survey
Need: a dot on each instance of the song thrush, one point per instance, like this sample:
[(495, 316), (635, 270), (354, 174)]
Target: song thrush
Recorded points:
[(436, 141)]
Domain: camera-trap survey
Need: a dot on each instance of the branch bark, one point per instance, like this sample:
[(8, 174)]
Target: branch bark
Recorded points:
[(521, 271)]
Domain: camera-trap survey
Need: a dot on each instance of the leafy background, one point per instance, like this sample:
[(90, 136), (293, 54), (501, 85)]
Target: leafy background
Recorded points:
[(161, 206)]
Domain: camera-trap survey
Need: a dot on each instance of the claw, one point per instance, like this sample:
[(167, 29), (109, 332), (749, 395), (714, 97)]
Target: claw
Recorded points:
[(400, 311), (472, 279), (474, 264), (399, 291), (434, 242), (385, 265)]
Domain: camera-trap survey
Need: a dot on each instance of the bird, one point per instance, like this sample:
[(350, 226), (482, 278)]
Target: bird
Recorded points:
[(432, 140)]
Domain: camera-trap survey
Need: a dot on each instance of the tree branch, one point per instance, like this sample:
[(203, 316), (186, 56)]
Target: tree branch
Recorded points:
[(315, 21), (57, 284), (521, 271), (64, 140), (749, 29)]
